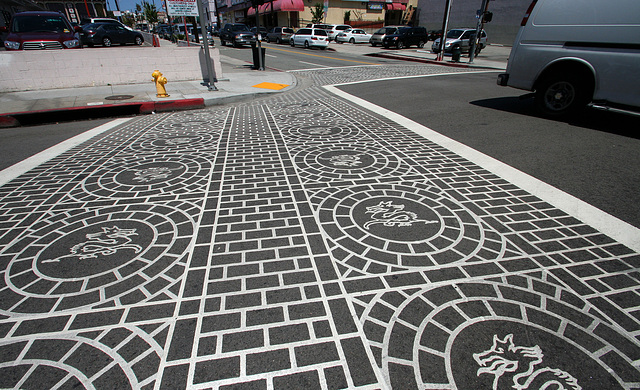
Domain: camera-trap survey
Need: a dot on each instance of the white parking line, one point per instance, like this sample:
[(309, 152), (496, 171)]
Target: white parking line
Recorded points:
[(613, 227), (24, 166)]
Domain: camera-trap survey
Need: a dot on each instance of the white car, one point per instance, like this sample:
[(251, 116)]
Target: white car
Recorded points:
[(310, 37), (353, 35)]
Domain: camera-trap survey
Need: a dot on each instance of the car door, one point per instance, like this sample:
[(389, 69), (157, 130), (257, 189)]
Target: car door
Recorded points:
[(465, 38)]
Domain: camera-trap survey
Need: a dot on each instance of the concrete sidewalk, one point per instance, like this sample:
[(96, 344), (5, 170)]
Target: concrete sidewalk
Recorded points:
[(20, 108)]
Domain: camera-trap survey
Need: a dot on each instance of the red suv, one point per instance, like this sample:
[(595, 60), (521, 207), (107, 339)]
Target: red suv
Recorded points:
[(39, 30)]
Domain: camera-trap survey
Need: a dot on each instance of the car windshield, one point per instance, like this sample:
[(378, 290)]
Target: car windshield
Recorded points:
[(239, 27), (320, 32), (454, 33), (38, 23), (386, 30), (343, 28)]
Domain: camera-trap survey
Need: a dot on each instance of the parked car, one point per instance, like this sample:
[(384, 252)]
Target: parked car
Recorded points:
[(237, 34), (322, 26), (310, 37), (163, 31), (336, 29), (460, 38), (279, 35), (572, 56), (354, 35), (405, 37), (434, 34), (263, 32), (107, 34), (39, 30), (377, 37), (86, 21)]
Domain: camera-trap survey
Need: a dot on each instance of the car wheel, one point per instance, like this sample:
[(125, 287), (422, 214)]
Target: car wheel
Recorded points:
[(373, 44), (106, 42), (278, 41), (90, 44), (306, 44), (421, 44), (400, 45), (292, 43), (561, 94), (352, 41), (323, 48), (235, 44), (139, 41)]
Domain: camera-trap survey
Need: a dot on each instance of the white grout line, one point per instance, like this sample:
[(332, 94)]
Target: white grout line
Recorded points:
[(613, 227), (24, 166)]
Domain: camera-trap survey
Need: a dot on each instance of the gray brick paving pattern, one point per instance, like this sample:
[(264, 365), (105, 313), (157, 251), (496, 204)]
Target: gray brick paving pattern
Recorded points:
[(301, 242)]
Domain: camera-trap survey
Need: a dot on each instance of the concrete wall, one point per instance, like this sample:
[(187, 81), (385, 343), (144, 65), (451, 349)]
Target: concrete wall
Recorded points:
[(36, 70)]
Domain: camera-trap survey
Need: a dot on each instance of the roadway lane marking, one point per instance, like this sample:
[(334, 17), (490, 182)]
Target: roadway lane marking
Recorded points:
[(331, 58), (606, 223), (28, 164), (311, 63)]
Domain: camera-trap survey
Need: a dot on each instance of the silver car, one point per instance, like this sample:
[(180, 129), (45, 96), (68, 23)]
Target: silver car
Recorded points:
[(460, 38)]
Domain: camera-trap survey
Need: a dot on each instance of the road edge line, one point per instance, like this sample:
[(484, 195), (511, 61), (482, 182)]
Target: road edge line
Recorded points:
[(22, 167), (604, 222)]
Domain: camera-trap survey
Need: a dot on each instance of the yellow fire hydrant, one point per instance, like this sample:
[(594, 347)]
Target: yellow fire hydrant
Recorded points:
[(160, 81)]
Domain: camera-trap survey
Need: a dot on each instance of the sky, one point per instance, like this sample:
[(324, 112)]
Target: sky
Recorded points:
[(131, 4)]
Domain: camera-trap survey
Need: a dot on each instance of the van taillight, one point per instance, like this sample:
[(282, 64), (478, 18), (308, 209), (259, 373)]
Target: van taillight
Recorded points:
[(529, 10)]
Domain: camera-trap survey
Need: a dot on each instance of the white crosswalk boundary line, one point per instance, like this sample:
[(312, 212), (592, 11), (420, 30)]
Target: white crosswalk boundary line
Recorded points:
[(606, 223), (24, 166)]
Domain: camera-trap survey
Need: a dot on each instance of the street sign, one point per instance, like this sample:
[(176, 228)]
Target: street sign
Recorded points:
[(182, 7)]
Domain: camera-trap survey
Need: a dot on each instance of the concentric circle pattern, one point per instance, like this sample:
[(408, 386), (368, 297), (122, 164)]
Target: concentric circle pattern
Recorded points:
[(346, 162), (94, 256), (137, 176), (404, 226)]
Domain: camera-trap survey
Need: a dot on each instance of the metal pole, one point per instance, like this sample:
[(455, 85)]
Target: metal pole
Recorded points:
[(476, 38), (445, 25), (258, 44), (205, 44)]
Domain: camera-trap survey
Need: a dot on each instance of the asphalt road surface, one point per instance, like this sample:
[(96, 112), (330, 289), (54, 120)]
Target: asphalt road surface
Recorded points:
[(592, 157)]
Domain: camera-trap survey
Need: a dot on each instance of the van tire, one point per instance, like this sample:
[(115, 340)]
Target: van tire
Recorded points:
[(420, 44), (561, 94), (306, 44), (400, 45)]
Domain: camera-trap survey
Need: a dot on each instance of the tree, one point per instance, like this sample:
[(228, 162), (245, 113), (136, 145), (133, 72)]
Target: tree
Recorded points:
[(347, 16), (150, 12), (317, 13)]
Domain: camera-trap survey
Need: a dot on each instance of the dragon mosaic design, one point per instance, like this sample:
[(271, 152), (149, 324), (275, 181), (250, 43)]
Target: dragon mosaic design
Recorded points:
[(104, 243), (344, 160), (520, 365), (389, 214)]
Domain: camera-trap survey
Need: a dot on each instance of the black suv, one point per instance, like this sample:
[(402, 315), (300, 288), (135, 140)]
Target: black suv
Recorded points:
[(405, 37), (237, 34)]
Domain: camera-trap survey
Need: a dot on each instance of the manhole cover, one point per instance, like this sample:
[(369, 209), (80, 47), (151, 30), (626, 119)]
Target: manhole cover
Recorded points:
[(119, 97)]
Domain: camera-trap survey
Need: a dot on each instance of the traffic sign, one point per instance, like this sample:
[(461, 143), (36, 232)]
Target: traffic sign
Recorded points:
[(182, 7)]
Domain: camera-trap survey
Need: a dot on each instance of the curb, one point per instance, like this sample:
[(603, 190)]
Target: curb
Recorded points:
[(428, 61), (15, 119)]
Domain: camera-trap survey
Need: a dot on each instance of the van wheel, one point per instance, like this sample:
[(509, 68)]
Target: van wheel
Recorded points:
[(561, 94), (373, 44), (291, 43), (400, 45), (306, 44), (420, 44)]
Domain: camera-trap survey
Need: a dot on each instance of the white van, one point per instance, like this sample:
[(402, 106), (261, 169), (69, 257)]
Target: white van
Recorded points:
[(574, 52)]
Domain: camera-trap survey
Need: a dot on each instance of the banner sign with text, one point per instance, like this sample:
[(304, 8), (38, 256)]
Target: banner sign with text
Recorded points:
[(182, 7)]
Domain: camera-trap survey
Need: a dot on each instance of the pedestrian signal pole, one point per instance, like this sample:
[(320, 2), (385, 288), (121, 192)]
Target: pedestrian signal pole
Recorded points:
[(445, 25), (483, 16)]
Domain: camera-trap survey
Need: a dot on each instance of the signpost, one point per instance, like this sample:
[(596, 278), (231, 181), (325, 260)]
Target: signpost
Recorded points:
[(195, 8)]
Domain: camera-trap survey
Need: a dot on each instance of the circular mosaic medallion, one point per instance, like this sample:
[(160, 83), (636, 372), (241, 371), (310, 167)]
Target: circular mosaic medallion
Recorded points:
[(398, 219), (151, 175), (404, 225), (94, 249), (320, 131), (164, 141), (81, 259), (346, 162), (510, 355)]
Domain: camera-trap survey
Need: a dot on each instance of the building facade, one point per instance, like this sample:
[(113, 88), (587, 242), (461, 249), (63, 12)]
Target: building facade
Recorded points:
[(74, 10), (298, 13), (507, 16)]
